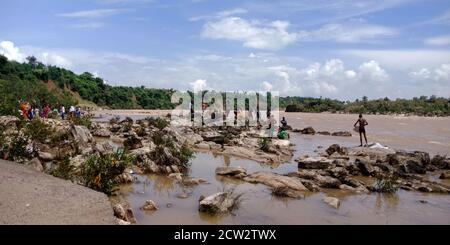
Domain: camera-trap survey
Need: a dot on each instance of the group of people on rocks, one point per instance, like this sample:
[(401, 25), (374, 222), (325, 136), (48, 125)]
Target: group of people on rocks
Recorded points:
[(31, 111)]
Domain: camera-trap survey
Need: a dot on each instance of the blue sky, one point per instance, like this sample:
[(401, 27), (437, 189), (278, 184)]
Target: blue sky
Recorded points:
[(340, 49)]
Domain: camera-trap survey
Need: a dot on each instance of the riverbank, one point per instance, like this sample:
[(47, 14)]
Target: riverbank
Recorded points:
[(29, 197)]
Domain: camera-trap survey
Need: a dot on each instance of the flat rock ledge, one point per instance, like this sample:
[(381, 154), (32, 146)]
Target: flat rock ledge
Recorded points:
[(29, 197)]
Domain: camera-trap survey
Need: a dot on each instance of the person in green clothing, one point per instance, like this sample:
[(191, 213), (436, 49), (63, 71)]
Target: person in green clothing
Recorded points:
[(283, 135)]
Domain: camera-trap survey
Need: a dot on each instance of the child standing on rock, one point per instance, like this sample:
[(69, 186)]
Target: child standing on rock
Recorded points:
[(362, 130)]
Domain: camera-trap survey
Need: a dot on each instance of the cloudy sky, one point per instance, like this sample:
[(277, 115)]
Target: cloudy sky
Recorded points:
[(333, 48)]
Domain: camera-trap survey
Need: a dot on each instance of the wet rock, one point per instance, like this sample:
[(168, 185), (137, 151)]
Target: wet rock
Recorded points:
[(46, 156), (133, 142), (337, 172), (149, 205), (121, 222), (194, 181), (176, 176), (218, 203), (413, 167), (102, 132), (324, 133), (275, 180), (319, 179), (125, 178), (424, 189), (403, 157), (332, 201), (342, 134), (313, 162), (310, 185), (336, 148), (124, 212), (287, 192), (308, 130), (231, 171), (81, 134), (365, 167), (183, 195), (175, 169), (150, 166), (445, 175), (203, 146), (440, 162), (36, 164), (115, 128)]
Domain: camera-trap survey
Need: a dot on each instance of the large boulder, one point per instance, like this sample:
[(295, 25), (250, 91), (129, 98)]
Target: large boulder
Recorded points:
[(365, 167), (231, 171), (336, 148), (221, 202), (402, 157), (81, 134), (275, 180), (321, 179), (445, 175), (412, 167), (102, 132), (313, 162)]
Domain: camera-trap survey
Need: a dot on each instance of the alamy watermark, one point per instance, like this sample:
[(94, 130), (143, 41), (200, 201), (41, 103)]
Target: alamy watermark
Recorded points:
[(231, 109)]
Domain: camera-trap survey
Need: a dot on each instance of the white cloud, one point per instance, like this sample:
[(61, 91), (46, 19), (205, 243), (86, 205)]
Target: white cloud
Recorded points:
[(350, 33), (221, 14), (438, 41), (93, 25), (402, 59), (275, 35), (371, 71), (95, 13), (199, 85), (253, 34), (10, 51), (422, 74), (54, 59), (266, 86), (442, 73)]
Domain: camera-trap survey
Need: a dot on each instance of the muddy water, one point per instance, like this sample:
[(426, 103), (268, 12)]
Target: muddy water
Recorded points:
[(258, 206)]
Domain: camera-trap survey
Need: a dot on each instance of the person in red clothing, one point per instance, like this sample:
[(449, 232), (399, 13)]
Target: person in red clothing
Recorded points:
[(46, 110)]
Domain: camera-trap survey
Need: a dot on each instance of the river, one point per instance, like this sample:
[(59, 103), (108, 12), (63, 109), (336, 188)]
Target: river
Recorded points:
[(258, 206)]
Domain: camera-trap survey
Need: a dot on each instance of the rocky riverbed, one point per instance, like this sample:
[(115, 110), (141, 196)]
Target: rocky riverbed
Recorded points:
[(163, 152)]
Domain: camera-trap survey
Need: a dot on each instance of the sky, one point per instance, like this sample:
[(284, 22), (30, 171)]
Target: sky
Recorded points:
[(331, 48)]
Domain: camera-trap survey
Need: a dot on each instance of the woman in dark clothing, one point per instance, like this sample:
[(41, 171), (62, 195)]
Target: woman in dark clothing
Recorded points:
[(362, 130)]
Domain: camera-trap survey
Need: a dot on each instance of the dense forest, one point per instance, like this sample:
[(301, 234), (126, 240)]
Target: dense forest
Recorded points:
[(40, 84)]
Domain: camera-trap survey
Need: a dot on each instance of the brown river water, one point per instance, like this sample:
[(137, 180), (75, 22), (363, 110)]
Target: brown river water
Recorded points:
[(258, 206)]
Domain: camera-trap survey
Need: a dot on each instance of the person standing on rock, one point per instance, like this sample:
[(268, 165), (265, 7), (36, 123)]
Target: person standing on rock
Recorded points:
[(362, 128), (63, 112)]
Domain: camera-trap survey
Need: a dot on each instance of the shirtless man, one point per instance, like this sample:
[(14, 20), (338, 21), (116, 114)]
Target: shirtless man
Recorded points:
[(362, 130)]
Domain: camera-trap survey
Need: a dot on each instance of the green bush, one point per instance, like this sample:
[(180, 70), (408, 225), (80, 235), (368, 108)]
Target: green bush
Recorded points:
[(38, 130), (64, 170), (158, 122), (385, 184), (264, 144), (100, 172), (82, 121)]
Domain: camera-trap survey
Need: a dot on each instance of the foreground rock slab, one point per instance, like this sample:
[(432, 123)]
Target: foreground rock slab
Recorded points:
[(30, 197), (276, 181)]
